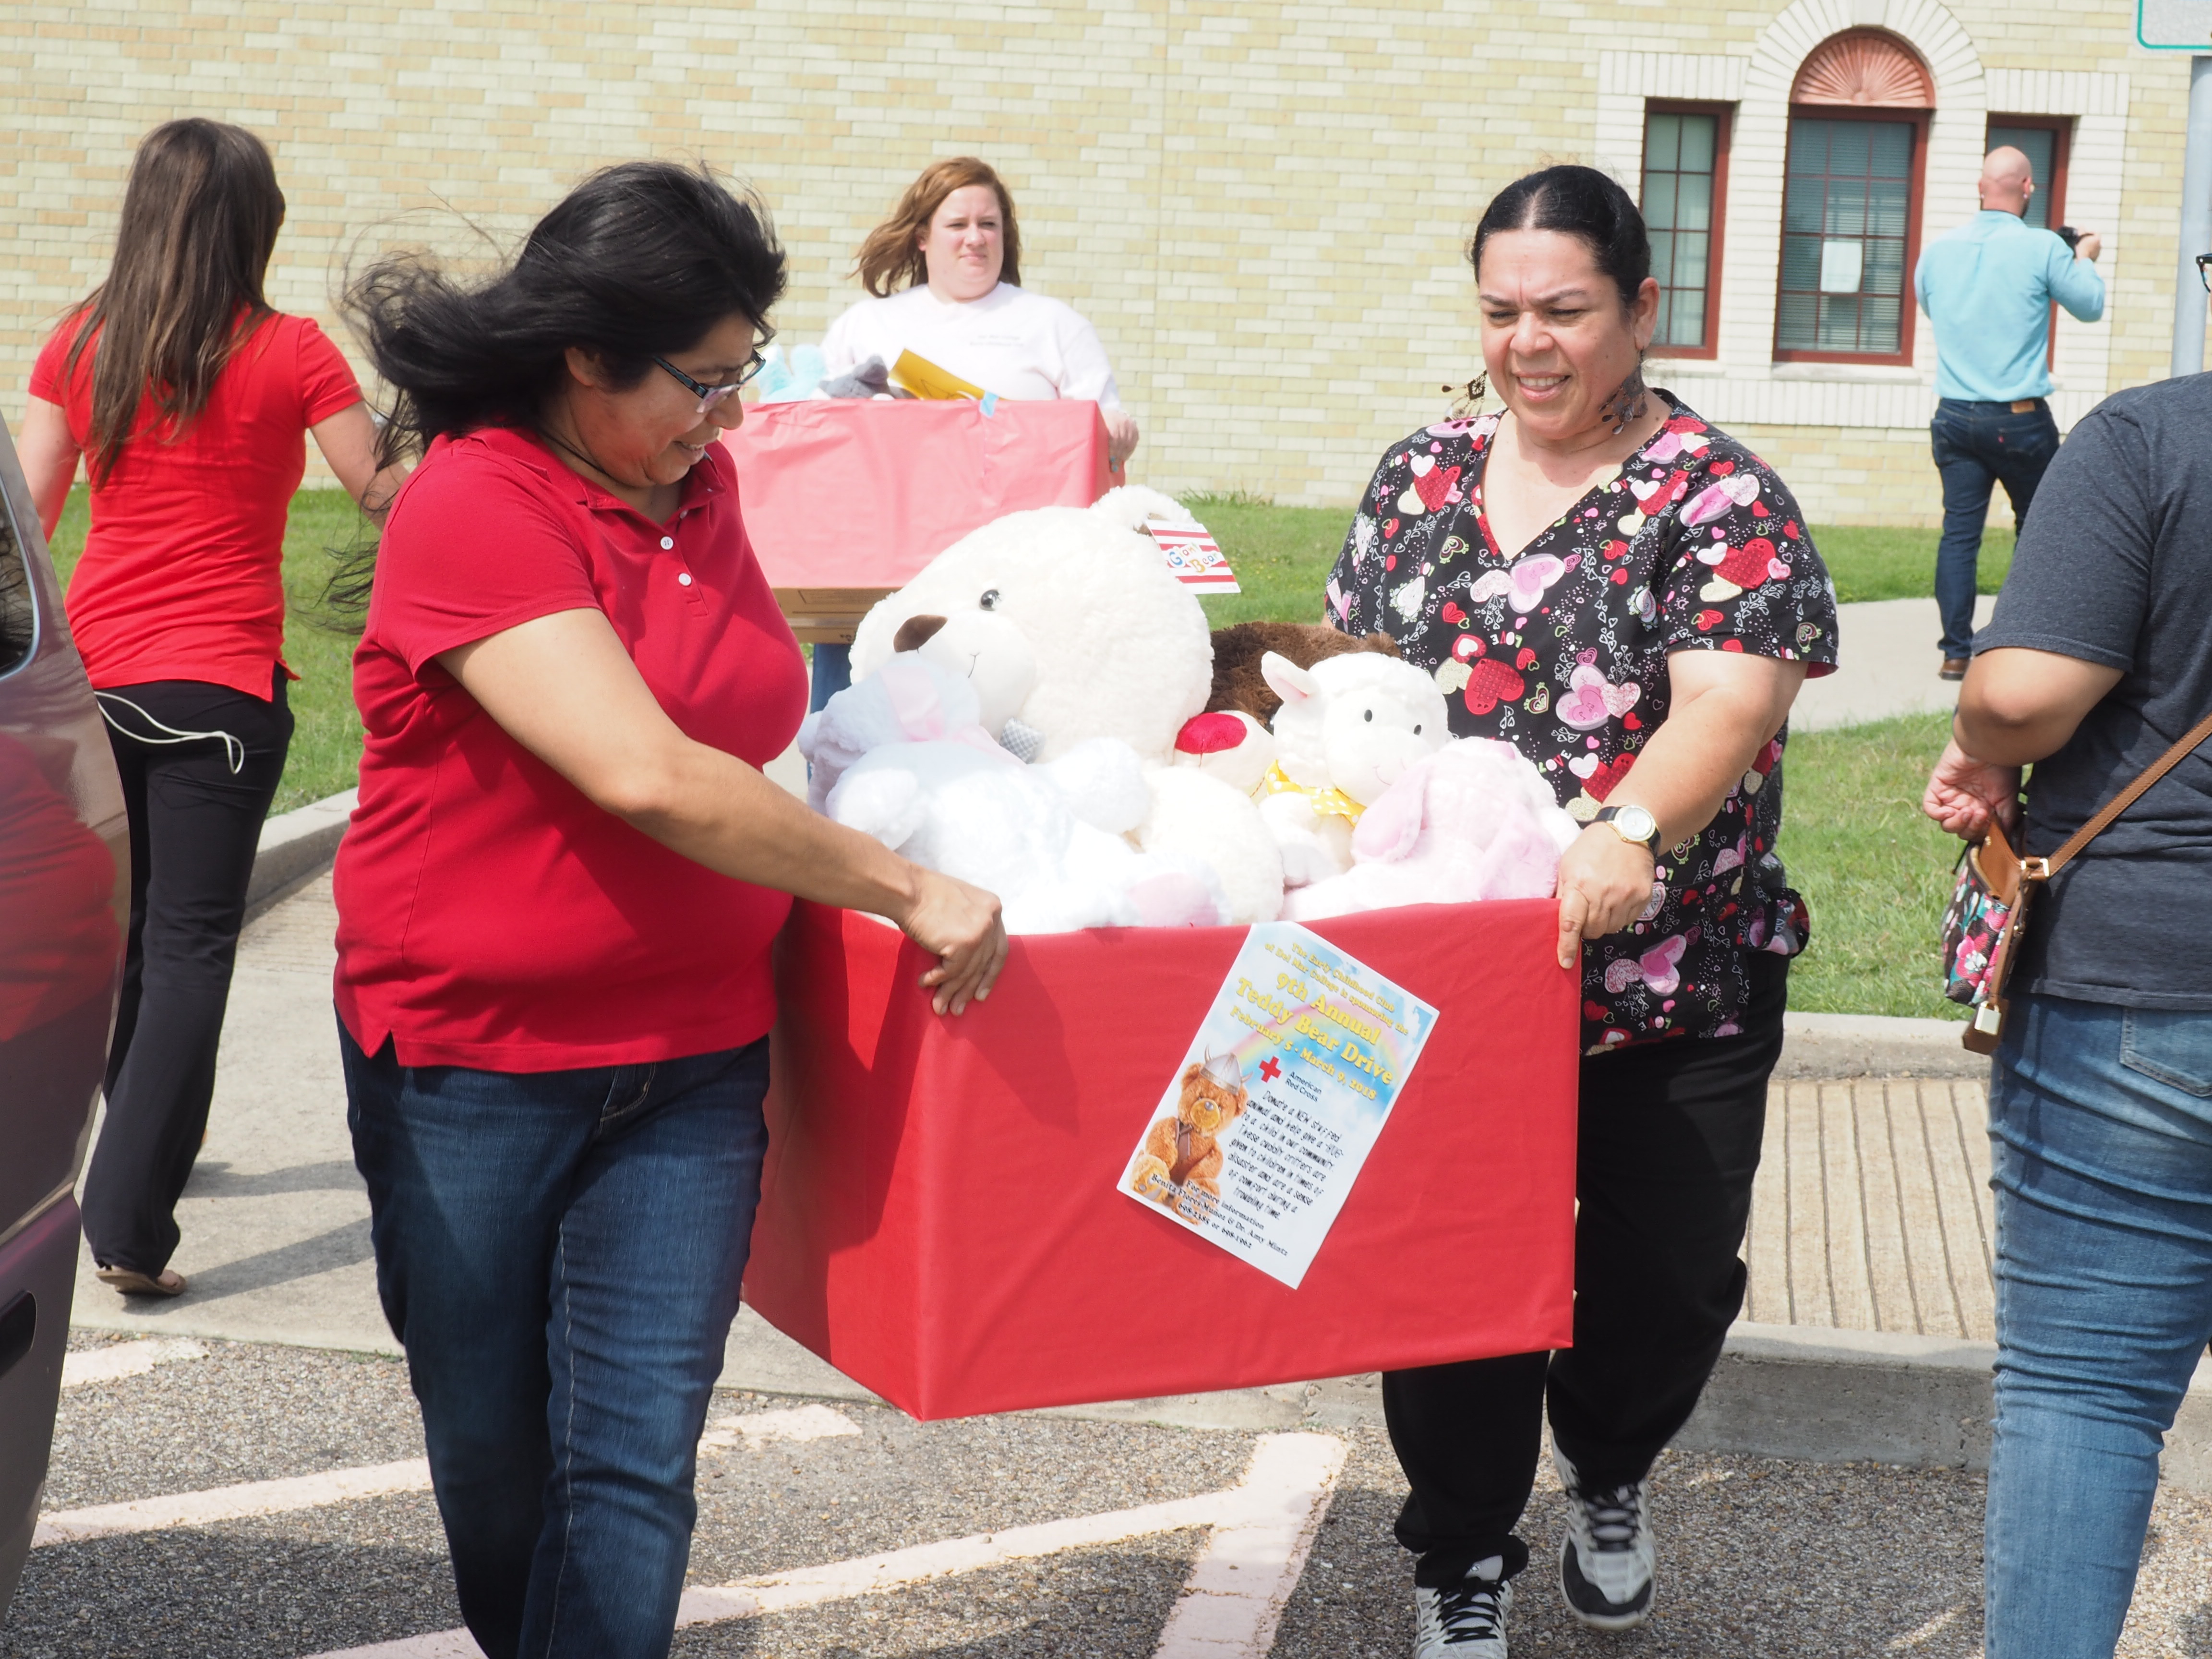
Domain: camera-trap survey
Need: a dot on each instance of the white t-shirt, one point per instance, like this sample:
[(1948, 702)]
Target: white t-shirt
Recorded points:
[(1016, 343)]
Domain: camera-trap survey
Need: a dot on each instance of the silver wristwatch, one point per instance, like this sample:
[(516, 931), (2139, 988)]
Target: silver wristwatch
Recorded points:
[(1631, 824)]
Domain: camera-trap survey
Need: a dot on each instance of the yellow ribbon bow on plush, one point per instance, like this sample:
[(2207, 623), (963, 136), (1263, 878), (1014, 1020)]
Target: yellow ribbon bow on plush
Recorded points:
[(1324, 802)]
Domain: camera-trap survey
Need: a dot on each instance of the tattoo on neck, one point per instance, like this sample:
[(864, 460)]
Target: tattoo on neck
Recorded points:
[(1626, 404)]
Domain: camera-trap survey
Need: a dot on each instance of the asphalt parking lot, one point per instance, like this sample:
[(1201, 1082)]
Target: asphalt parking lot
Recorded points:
[(1757, 1557)]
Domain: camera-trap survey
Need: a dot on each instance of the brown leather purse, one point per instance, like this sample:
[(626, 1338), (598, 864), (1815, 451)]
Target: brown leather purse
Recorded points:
[(1997, 886)]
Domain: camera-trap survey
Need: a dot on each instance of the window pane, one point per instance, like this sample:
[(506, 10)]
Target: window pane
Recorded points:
[(1681, 152), (1892, 145), (1700, 138), (2041, 146), (1688, 266), (1847, 148), (1808, 146), (1846, 206), (1694, 202)]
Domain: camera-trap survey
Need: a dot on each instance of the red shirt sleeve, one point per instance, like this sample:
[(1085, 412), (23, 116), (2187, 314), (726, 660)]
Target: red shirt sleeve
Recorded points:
[(473, 547), (326, 381), (51, 380)]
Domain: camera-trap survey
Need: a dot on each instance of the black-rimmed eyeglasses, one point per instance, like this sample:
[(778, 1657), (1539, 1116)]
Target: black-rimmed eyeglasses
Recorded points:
[(2204, 270), (708, 395)]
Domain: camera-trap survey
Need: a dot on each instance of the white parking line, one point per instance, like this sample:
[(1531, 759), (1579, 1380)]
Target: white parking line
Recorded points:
[(253, 1498), (1266, 1521), (126, 1359), (307, 1492), (1240, 1584)]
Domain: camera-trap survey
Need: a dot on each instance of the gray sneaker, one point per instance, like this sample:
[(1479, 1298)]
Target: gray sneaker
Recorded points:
[(1606, 1560), (1465, 1620)]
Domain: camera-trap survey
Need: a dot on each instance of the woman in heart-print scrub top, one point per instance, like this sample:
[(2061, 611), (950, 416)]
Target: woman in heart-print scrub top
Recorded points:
[(1629, 596)]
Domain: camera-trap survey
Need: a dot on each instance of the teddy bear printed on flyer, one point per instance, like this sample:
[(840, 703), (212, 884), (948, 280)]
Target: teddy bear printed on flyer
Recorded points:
[(1180, 1166), (1694, 544)]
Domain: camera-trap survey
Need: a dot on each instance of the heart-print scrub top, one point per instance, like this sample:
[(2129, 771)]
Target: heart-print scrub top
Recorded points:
[(1695, 545)]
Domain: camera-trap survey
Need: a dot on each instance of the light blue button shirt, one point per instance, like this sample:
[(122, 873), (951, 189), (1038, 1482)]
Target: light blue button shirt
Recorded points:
[(1987, 287)]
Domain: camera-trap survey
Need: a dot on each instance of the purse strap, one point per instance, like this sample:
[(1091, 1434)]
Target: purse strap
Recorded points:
[(2128, 797)]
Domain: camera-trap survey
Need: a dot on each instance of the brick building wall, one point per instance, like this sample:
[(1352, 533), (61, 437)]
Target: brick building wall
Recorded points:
[(1260, 204)]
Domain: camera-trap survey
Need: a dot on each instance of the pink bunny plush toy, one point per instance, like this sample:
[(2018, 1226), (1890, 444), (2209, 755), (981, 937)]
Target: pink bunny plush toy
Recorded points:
[(1475, 820)]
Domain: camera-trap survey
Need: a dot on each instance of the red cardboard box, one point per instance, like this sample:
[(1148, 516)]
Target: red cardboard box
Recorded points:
[(847, 499), (940, 1217)]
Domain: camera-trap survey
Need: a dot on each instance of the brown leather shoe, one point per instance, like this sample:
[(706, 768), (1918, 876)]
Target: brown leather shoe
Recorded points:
[(1954, 668)]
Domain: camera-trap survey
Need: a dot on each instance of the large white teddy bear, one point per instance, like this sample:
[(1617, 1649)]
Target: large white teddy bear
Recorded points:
[(1348, 727), (1079, 602)]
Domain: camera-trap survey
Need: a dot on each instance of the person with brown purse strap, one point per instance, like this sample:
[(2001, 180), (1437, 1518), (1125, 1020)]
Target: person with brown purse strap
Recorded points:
[(2096, 671)]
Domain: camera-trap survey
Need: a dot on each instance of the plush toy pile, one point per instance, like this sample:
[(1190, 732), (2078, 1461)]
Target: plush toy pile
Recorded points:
[(1041, 712)]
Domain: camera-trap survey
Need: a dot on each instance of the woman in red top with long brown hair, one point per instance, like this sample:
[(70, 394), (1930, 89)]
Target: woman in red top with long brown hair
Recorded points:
[(187, 397)]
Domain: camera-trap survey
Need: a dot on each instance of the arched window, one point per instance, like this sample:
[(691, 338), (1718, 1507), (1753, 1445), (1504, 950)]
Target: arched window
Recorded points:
[(1850, 212)]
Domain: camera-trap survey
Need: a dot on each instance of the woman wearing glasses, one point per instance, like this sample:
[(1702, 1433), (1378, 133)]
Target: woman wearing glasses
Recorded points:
[(557, 896)]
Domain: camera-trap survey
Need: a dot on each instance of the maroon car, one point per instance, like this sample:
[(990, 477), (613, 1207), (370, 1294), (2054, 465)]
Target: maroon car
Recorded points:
[(64, 859)]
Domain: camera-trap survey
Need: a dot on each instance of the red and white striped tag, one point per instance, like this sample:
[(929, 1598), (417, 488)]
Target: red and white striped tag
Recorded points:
[(1194, 556)]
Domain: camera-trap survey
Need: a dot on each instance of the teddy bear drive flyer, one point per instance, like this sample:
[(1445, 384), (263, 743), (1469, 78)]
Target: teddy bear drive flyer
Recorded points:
[(1263, 1130)]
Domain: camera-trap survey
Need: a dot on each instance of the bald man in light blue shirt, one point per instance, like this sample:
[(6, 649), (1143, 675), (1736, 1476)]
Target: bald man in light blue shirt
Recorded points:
[(1989, 287)]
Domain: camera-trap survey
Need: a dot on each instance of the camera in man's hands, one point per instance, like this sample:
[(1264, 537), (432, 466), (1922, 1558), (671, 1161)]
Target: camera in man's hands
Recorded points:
[(2069, 236)]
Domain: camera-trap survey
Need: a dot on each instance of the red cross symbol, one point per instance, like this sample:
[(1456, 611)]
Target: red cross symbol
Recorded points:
[(1269, 1069)]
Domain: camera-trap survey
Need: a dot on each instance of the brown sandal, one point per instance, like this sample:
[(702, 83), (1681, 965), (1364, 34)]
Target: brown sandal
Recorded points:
[(132, 1282)]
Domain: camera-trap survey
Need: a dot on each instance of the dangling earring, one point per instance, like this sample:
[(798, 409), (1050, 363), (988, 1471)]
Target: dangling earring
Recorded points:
[(1467, 398), (1627, 403)]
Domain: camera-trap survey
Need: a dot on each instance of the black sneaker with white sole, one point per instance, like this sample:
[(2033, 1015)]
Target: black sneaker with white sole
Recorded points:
[(1465, 1620), (1606, 1560)]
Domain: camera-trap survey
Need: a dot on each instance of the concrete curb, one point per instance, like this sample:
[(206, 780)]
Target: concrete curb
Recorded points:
[(1874, 1045), (294, 848), (1810, 1394)]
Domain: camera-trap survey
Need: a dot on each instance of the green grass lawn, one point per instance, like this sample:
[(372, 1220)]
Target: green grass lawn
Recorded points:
[(325, 754), (1875, 872)]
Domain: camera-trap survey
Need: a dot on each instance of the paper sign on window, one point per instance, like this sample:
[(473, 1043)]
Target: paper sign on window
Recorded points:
[(1842, 264), (1270, 1117)]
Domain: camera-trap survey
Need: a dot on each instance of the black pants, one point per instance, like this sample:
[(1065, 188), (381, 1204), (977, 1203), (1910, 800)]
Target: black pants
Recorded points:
[(1670, 1139), (195, 823)]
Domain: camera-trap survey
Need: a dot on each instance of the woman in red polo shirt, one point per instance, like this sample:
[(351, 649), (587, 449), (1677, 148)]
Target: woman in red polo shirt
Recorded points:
[(558, 895), (187, 396)]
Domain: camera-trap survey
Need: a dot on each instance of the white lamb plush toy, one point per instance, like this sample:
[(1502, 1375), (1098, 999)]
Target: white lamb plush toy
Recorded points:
[(1347, 727), (1475, 820), (1081, 603), (1047, 839)]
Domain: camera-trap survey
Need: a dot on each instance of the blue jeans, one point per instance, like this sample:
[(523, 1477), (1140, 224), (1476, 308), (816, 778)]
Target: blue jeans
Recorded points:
[(833, 672), (1979, 446), (559, 1252), (2101, 1125)]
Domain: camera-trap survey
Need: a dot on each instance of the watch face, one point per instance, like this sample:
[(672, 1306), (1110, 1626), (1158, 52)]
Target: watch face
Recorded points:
[(1638, 822)]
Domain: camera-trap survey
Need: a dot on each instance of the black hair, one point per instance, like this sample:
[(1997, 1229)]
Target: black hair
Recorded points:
[(1579, 202), (638, 261)]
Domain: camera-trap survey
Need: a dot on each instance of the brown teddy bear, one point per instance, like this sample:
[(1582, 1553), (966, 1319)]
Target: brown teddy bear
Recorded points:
[(1238, 682), (1180, 1166)]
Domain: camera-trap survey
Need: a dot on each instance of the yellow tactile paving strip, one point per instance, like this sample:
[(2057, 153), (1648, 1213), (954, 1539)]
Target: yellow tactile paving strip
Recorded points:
[(1872, 1209)]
